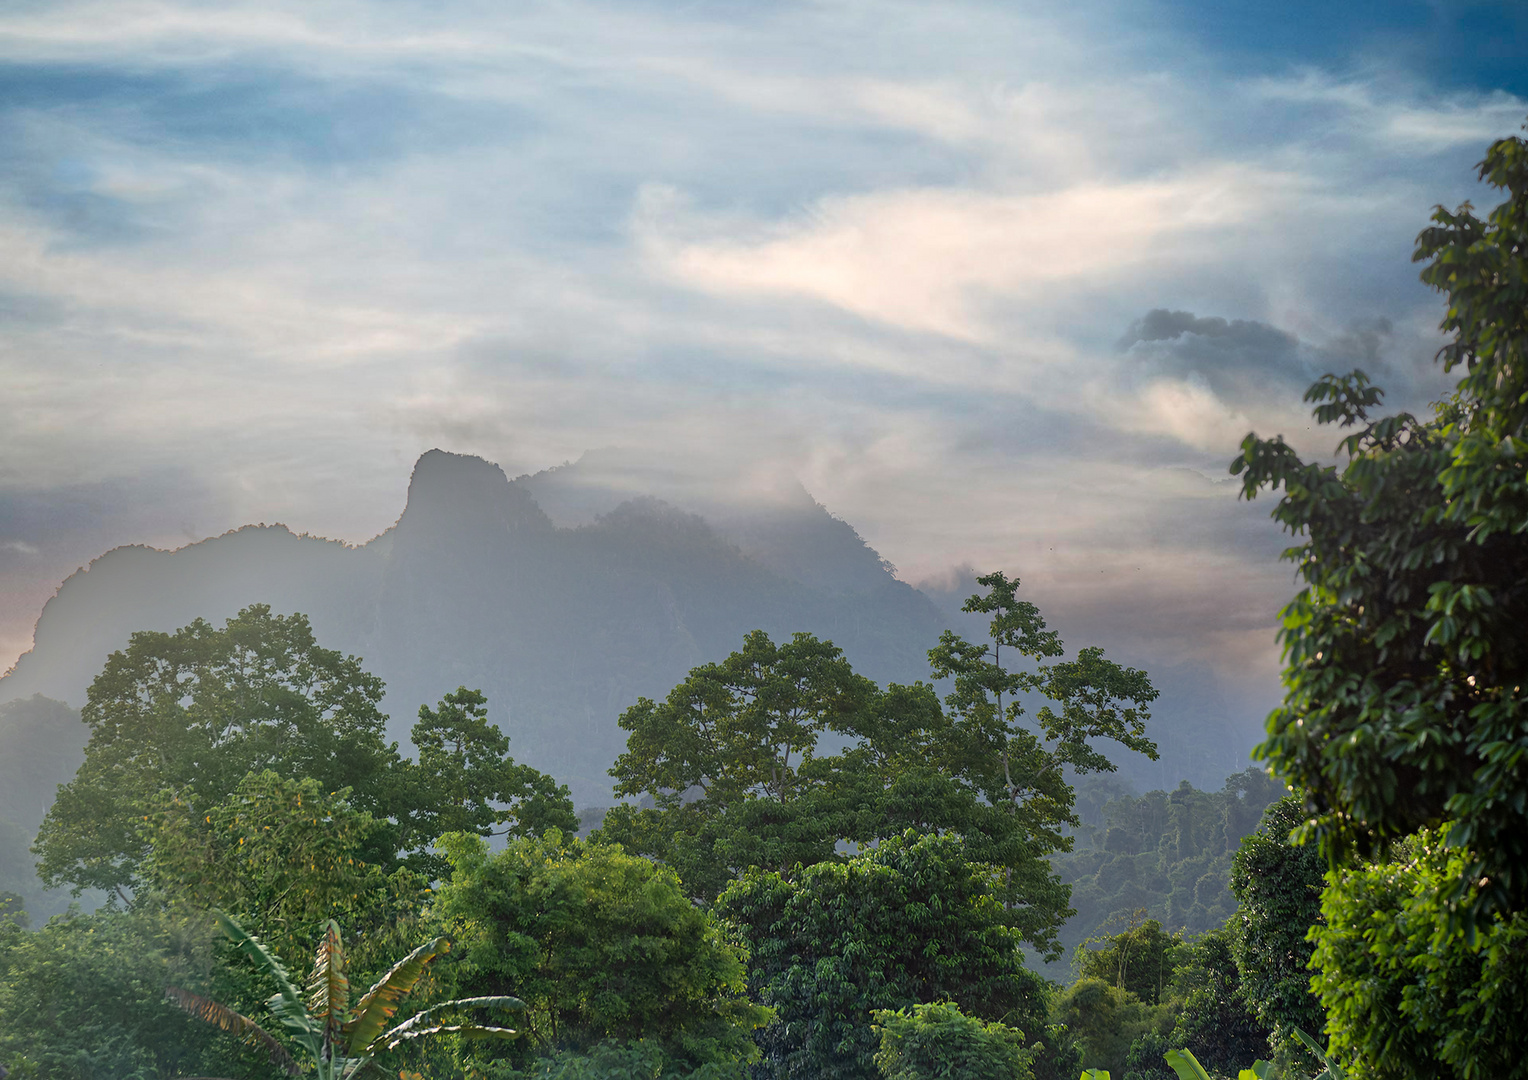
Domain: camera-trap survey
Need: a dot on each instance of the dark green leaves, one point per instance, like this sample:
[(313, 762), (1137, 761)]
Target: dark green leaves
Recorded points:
[(915, 920), (465, 781), (1406, 654)]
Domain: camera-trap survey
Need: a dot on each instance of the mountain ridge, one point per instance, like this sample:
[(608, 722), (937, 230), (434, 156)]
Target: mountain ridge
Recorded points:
[(475, 584)]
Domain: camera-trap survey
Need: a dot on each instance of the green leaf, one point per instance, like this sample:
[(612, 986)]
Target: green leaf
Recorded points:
[(378, 1004), (1186, 1065)]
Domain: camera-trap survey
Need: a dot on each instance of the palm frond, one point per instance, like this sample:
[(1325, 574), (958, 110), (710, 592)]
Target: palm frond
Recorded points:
[(378, 1004), (220, 1015), (328, 989), (414, 1025)]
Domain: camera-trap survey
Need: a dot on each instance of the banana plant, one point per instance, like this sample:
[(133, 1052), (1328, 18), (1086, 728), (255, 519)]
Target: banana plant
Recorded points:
[(1332, 1070), (1187, 1066), (339, 1041)]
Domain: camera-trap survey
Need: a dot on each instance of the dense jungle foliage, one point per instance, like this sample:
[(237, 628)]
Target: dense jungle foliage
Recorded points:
[(821, 876)]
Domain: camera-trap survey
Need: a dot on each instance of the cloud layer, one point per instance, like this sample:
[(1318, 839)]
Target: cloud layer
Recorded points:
[(1003, 286)]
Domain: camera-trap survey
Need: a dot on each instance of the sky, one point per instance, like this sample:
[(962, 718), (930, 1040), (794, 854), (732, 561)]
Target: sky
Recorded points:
[(1003, 284)]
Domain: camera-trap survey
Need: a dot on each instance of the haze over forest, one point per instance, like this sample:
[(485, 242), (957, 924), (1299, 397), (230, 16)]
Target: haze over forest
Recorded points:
[(496, 485), (564, 598), (1001, 287)]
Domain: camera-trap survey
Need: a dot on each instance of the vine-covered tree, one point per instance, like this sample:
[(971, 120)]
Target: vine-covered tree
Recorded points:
[(1278, 893)]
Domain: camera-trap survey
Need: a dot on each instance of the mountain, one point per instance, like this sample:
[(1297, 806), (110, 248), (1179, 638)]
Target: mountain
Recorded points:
[(41, 744), (563, 619)]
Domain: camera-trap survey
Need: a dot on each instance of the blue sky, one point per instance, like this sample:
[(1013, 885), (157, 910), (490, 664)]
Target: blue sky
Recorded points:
[(259, 257)]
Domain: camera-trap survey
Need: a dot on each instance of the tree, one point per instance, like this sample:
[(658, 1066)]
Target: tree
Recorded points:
[(182, 719), (1278, 891), (600, 945), (1018, 766), (82, 998), (1407, 997), (284, 856), (340, 1041), (1104, 1022), (936, 1041), (1140, 960), (1096, 698), (731, 759), (911, 921), (745, 726), (465, 781), (192, 713), (1405, 654)]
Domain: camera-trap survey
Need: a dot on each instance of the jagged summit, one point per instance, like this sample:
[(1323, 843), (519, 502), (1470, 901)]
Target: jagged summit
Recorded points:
[(468, 494), (768, 514), (563, 620)]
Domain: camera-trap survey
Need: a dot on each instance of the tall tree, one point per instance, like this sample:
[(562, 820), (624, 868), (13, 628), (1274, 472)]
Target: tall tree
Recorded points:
[(1406, 659), (731, 763), (1022, 765), (192, 713), (732, 760), (744, 727), (465, 781)]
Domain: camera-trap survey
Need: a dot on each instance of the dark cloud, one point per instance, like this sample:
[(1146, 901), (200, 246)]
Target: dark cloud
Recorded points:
[(1235, 358), (1245, 361)]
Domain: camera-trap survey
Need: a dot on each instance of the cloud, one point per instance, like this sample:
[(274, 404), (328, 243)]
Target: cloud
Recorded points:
[(270, 253), (1361, 110), (930, 260)]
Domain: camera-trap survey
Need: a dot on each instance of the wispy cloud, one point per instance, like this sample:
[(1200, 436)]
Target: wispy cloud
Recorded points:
[(277, 250)]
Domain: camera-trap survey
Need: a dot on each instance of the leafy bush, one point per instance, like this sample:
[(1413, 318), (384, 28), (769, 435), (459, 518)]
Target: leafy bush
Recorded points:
[(936, 1041), (600, 944), (1408, 996)]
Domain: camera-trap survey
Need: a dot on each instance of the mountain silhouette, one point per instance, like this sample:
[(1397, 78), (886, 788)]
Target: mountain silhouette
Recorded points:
[(563, 619)]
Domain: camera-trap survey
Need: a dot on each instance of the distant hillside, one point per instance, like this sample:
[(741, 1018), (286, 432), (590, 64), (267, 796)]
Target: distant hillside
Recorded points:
[(564, 596), (41, 745), (563, 624)]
